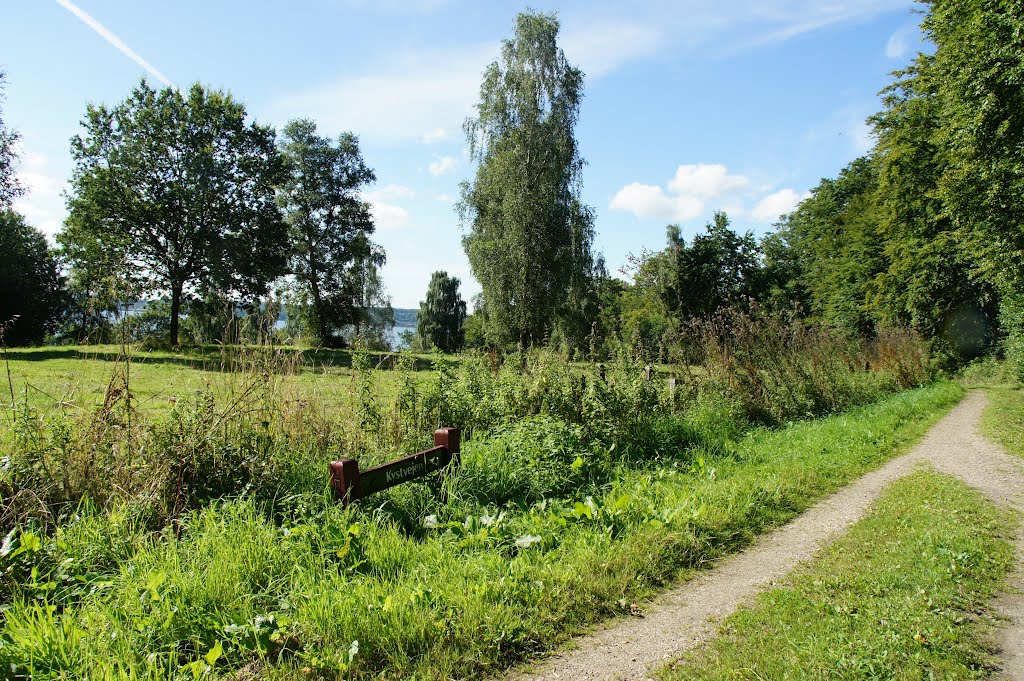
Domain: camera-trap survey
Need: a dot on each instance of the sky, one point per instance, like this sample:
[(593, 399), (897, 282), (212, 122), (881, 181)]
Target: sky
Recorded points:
[(689, 106)]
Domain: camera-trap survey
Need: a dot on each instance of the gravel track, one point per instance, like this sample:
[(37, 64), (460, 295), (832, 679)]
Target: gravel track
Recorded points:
[(687, 615)]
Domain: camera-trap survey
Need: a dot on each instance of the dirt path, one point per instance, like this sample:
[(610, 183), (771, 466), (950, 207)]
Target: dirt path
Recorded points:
[(687, 615)]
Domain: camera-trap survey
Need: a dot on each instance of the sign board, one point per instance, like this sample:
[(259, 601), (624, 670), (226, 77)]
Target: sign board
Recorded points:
[(349, 483)]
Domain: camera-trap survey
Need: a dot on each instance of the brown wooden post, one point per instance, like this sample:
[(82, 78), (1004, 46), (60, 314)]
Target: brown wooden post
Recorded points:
[(449, 439), (345, 480)]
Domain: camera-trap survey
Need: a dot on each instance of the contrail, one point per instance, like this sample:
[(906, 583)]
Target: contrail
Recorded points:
[(115, 41)]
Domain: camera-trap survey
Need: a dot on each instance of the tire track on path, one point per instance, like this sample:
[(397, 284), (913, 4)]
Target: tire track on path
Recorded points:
[(684, 617)]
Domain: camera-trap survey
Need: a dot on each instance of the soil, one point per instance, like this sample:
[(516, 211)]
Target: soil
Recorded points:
[(687, 615)]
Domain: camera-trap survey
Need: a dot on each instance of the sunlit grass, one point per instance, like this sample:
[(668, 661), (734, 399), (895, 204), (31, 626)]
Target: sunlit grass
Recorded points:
[(1004, 418), (901, 596), (429, 584)]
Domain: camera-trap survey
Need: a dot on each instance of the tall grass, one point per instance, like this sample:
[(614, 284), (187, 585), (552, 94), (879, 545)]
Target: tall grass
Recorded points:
[(781, 368), (205, 540)]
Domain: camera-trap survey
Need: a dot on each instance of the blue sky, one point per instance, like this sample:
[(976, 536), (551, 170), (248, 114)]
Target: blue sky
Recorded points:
[(689, 106)]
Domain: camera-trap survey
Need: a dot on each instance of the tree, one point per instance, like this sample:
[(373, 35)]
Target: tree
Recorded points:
[(530, 237), (332, 257), (442, 314), (184, 188), (31, 288), (373, 317), (719, 269), (975, 76), (10, 188), (647, 305), (837, 247), (928, 277)]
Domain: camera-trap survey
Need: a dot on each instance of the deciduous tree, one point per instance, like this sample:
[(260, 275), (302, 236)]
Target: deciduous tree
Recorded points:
[(530, 236), (184, 187), (332, 257), (10, 188), (32, 294)]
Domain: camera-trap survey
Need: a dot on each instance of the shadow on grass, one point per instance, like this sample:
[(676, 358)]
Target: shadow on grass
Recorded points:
[(223, 358)]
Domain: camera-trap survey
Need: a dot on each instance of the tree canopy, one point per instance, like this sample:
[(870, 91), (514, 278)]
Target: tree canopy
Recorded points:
[(10, 188), (530, 237), (441, 315), (332, 257), (183, 187), (32, 295)]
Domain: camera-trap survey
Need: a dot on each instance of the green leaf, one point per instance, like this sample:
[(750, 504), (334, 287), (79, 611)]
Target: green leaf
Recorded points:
[(214, 654)]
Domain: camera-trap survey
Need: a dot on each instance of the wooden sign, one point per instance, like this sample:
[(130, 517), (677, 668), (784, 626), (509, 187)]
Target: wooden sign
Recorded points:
[(349, 483)]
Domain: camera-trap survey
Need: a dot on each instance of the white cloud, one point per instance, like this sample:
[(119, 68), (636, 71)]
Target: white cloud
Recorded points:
[(774, 205), (601, 48), (648, 201), (389, 192), (432, 91), (434, 136), (388, 216), (692, 185), (42, 203), (109, 36), (442, 165), (899, 44), (706, 180), (774, 22), (445, 198)]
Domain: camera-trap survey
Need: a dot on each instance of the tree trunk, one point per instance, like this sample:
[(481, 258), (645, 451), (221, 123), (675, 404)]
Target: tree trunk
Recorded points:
[(175, 311)]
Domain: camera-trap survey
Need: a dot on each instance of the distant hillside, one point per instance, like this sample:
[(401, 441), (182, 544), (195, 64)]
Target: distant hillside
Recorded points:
[(405, 317)]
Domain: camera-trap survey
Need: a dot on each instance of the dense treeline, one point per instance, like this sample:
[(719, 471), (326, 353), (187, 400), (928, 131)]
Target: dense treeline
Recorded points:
[(926, 230)]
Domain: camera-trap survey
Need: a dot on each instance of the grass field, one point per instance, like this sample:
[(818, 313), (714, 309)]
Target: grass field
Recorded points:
[(76, 377), (902, 596), (422, 581)]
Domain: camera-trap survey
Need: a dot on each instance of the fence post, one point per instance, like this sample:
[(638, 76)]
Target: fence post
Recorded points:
[(449, 439), (345, 480)]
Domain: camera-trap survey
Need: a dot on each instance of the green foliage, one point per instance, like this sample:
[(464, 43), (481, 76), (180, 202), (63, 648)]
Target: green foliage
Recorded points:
[(1004, 417), (424, 581), (647, 321), (898, 597), (10, 188), (177, 189), (779, 368), (834, 238), (332, 257), (719, 269), (530, 237), (928, 279), (925, 232), (439, 322), (975, 79), (1011, 319), (33, 299)]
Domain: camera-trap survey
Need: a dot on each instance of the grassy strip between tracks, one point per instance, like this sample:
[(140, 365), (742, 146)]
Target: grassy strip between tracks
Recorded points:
[(1004, 418), (901, 596)]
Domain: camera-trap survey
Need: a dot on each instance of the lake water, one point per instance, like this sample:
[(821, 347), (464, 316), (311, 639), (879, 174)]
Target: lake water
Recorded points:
[(396, 337)]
